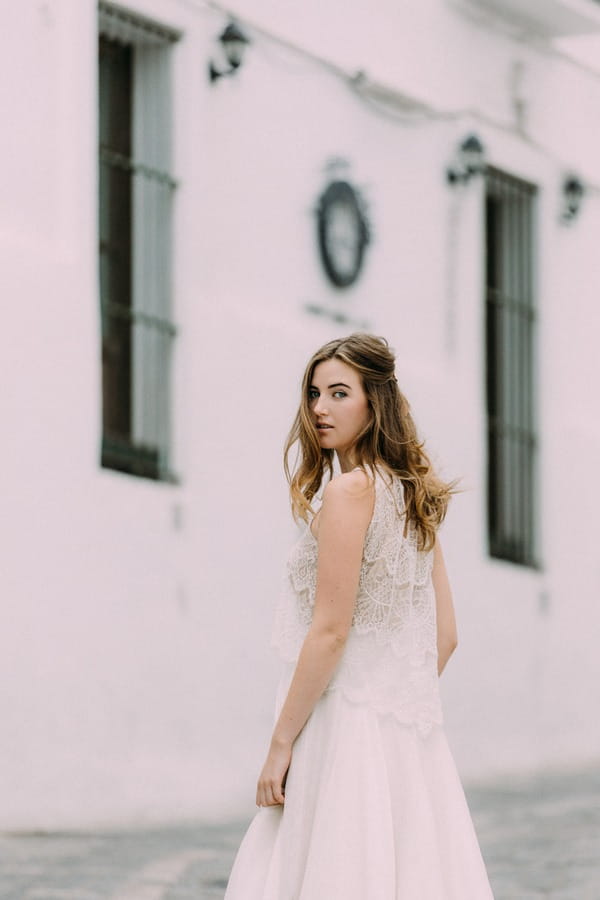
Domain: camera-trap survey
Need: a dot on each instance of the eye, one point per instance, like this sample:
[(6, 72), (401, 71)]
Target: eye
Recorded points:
[(340, 394), (313, 393)]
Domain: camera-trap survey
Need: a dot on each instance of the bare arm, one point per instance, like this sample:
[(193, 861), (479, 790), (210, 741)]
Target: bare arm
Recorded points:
[(343, 522), (447, 638)]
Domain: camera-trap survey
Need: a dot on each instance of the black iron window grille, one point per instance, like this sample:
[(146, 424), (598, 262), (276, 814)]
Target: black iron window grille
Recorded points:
[(510, 368), (135, 201)]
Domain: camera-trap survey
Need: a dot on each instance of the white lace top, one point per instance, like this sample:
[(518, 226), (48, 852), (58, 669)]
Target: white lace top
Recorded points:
[(390, 657)]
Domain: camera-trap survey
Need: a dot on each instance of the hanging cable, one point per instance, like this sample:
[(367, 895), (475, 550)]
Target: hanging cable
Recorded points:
[(393, 105)]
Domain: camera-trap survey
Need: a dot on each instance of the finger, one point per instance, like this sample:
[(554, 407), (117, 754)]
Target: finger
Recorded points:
[(265, 797), (278, 795)]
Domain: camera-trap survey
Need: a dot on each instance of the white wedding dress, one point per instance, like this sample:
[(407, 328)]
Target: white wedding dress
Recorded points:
[(374, 808)]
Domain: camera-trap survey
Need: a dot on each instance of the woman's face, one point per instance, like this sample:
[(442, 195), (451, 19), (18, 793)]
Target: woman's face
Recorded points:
[(339, 405)]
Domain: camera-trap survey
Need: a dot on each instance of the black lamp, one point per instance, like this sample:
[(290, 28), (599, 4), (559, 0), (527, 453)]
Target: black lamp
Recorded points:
[(572, 195), (471, 161), (234, 42)]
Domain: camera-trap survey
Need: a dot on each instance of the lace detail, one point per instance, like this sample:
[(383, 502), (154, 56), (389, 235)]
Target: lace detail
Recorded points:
[(390, 659)]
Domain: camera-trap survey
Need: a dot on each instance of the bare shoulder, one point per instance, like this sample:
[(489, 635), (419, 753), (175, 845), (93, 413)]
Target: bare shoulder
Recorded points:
[(353, 485), (348, 503)]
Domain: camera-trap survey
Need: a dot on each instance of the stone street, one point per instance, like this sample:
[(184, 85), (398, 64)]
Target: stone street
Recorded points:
[(540, 838)]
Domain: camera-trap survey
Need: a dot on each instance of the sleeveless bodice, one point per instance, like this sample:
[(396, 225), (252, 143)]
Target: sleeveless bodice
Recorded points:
[(390, 657)]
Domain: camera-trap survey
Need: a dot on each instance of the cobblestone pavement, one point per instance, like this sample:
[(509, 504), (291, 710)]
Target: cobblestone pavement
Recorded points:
[(540, 839)]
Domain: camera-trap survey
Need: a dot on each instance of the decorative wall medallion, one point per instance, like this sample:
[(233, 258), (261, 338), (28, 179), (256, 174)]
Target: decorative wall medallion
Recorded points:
[(343, 232)]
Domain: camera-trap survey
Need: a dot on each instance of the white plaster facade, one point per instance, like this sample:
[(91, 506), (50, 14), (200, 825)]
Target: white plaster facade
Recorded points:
[(136, 680)]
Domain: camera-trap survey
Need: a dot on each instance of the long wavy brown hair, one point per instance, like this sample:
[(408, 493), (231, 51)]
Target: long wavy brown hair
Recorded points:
[(389, 441)]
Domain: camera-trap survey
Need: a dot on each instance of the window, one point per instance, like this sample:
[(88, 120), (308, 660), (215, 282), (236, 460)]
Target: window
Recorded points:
[(510, 344), (136, 192)]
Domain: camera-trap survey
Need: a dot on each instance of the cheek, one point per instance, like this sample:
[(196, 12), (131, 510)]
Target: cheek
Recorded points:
[(361, 416), (366, 413)]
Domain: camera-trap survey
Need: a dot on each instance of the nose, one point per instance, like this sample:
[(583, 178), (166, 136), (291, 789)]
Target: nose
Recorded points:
[(320, 408)]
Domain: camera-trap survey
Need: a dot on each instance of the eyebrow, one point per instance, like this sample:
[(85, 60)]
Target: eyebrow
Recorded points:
[(329, 386)]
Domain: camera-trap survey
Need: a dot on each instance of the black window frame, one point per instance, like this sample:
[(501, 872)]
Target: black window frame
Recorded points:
[(510, 370), (135, 341)]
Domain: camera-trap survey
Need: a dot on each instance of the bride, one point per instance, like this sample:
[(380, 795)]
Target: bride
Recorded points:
[(359, 795)]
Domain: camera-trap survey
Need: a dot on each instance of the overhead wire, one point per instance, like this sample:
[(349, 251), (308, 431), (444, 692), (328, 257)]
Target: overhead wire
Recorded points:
[(394, 105)]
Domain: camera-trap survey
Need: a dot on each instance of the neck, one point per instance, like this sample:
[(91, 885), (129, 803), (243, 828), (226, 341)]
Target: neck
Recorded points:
[(347, 461)]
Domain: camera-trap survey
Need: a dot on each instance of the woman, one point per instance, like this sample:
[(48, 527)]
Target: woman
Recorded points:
[(359, 794)]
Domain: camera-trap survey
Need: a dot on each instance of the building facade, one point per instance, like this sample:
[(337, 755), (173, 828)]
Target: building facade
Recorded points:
[(174, 246)]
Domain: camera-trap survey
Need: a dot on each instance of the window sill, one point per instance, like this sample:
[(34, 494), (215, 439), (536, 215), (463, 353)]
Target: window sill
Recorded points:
[(130, 459)]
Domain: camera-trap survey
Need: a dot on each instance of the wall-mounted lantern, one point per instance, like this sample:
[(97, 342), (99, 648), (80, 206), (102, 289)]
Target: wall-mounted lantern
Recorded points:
[(572, 194), (234, 42), (470, 161)]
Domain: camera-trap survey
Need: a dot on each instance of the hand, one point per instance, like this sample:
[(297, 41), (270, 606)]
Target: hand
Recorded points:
[(270, 788)]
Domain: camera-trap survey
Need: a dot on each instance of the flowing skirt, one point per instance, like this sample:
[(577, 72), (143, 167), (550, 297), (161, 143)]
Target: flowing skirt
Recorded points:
[(373, 810)]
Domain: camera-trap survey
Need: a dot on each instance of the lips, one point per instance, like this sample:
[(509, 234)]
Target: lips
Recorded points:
[(322, 427)]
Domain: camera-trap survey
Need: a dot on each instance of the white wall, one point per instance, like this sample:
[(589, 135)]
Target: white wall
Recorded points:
[(136, 678)]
